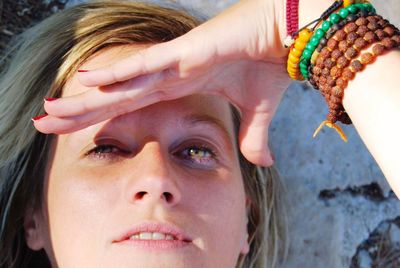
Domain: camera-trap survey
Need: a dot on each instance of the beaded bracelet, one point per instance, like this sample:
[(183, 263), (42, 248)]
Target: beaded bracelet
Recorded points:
[(331, 57), (338, 45), (327, 28), (356, 66), (330, 64), (295, 53), (347, 3), (323, 41), (298, 41), (333, 80), (292, 16)]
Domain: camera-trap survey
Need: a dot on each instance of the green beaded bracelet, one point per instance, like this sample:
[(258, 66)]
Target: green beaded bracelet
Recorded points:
[(325, 26)]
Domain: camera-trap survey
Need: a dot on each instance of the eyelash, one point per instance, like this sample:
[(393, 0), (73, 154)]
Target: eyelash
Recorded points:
[(186, 152), (99, 154)]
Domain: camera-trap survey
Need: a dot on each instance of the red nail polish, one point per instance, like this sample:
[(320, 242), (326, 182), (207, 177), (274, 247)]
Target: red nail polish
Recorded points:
[(273, 157), (82, 71), (50, 99), (39, 117)]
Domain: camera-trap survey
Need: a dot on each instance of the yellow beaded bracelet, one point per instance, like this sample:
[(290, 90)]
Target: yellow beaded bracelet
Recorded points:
[(296, 50), (298, 46), (347, 3)]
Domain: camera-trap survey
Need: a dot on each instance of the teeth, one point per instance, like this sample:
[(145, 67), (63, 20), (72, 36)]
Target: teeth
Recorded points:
[(158, 236), (152, 236), (136, 236), (145, 236)]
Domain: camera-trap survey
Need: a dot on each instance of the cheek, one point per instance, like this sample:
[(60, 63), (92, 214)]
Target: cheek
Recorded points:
[(222, 211), (78, 210), (76, 193), (221, 197)]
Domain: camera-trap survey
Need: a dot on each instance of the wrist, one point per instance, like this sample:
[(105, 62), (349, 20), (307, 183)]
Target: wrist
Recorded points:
[(297, 14), (312, 9)]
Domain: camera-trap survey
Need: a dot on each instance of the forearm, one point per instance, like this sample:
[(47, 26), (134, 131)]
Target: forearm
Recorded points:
[(372, 100)]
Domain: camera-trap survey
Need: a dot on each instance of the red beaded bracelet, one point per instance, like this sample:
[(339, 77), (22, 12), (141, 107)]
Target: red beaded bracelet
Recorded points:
[(292, 16)]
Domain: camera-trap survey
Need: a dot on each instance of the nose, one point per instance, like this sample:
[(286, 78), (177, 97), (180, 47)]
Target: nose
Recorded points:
[(154, 179)]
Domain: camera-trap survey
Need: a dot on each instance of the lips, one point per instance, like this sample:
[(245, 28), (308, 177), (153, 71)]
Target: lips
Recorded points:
[(153, 232)]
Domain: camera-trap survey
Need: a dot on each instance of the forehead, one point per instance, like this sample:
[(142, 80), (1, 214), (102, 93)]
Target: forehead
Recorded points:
[(196, 108), (103, 58)]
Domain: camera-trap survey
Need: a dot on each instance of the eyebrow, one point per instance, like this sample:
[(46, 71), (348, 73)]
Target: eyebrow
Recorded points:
[(194, 119)]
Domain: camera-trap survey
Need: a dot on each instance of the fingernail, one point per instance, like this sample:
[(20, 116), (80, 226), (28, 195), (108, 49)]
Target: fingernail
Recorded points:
[(273, 157), (38, 117), (82, 71), (50, 99)]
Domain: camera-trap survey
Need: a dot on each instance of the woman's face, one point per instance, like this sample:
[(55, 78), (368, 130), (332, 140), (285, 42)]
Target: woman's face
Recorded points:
[(158, 187)]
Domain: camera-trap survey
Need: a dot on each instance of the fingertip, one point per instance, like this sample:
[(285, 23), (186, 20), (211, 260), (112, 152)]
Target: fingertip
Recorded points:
[(38, 124), (85, 78), (260, 158), (50, 99), (269, 160), (49, 105), (273, 157), (254, 145), (37, 118), (256, 150)]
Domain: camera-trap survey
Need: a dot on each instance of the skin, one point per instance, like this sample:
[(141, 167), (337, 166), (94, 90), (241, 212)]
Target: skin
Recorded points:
[(92, 199)]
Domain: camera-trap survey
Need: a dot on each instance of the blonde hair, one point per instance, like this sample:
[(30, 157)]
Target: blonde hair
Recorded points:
[(39, 63)]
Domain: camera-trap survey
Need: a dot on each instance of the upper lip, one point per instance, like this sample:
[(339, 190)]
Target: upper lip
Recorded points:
[(153, 227)]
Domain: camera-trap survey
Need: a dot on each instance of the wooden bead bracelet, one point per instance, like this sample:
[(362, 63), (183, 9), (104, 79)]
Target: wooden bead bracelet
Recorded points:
[(302, 36), (328, 28), (330, 56), (336, 65)]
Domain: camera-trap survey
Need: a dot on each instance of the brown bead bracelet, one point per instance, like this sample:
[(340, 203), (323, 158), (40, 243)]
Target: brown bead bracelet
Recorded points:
[(340, 59)]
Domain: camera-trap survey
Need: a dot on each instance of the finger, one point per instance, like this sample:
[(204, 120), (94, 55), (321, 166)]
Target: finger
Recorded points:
[(108, 99), (253, 137), (56, 125), (66, 124), (149, 60), (63, 125)]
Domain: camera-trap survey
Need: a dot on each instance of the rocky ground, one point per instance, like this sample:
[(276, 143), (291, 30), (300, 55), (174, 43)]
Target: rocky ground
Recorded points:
[(16, 15)]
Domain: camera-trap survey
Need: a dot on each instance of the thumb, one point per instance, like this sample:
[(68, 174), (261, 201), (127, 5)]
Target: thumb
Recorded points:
[(253, 137)]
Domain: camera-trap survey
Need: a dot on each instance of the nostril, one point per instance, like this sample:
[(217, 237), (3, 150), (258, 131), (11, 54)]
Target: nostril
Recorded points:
[(139, 195), (168, 197)]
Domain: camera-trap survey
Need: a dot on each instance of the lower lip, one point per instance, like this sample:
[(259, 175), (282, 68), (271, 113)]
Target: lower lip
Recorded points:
[(156, 244)]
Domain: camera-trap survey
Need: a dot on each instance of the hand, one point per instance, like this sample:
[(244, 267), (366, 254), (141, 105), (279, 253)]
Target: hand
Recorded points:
[(244, 65)]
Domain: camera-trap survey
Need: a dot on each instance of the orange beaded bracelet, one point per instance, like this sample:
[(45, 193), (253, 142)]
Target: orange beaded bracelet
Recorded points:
[(295, 53)]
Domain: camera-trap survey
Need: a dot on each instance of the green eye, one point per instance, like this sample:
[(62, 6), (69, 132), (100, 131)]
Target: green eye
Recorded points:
[(198, 156), (199, 153)]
